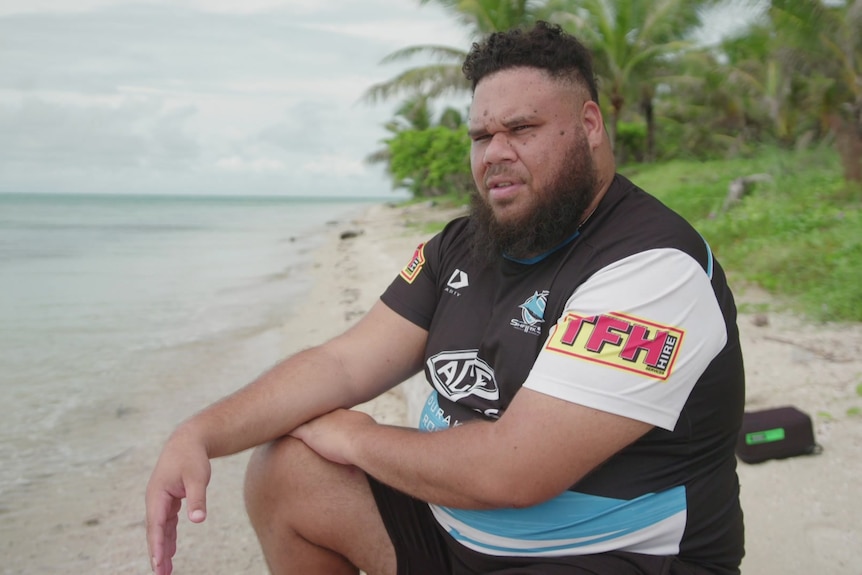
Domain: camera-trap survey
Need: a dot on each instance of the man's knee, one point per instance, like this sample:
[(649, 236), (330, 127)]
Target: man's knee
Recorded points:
[(276, 470), (293, 496), (286, 474)]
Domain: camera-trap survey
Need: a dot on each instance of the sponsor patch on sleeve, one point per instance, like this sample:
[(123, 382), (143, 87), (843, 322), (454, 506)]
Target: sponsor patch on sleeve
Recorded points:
[(411, 270), (619, 341)]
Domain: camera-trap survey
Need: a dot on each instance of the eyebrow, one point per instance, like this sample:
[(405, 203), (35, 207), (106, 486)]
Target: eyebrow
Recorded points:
[(509, 123)]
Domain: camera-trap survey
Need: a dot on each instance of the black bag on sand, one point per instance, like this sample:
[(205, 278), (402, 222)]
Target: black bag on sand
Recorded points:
[(775, 434)]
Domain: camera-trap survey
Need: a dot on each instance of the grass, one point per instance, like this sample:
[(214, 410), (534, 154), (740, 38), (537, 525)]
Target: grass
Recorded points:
[(442, 203), (798, 236)]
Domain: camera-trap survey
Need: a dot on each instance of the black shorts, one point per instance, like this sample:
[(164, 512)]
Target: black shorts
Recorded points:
[(424, 548)]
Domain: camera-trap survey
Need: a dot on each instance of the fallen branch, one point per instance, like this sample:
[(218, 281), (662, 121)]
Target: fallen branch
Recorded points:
[(827, 355), (741, 186)]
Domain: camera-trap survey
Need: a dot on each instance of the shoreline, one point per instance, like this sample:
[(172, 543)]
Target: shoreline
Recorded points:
[(801, 513)]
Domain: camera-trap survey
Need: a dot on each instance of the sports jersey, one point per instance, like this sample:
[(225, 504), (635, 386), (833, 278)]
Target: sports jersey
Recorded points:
[(632, 316)]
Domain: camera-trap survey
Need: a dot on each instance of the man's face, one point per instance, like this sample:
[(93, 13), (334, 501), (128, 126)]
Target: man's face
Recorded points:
[(531, 161)]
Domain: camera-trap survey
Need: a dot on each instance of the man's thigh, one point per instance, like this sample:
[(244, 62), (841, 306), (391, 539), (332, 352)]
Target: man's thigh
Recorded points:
[(296, 497)]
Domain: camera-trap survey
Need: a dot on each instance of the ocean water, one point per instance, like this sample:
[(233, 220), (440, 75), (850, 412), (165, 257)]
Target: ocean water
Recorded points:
[(110, 305)]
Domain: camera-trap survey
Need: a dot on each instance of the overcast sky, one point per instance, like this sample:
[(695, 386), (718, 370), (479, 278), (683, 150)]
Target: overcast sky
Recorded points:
[(201, 96)]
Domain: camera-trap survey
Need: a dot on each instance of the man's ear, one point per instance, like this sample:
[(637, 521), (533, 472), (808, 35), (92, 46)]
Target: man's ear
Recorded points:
[(594, 124)]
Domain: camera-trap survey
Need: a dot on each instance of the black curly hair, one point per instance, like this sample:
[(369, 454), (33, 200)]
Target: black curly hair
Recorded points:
[(544, 46)]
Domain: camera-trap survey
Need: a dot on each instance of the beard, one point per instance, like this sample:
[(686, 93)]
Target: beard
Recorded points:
[(554, 215)]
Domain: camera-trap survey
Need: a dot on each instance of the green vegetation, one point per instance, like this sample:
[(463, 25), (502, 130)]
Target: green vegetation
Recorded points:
[(431, 162), (780, 102), (794, 75), (798, 235)]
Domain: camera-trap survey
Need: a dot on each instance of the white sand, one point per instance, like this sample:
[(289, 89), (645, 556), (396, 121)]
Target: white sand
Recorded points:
[(802, 514)]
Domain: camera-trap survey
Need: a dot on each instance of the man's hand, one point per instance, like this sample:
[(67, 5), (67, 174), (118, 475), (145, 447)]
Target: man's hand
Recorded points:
[(331, 435), (374, 355), (183, 471)]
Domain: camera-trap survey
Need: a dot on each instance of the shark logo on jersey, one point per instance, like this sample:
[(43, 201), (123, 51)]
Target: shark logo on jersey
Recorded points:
[(457, 374), (532, 313)]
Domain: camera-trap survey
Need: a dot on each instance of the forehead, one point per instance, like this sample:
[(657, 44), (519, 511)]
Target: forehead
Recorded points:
[(519, 92)]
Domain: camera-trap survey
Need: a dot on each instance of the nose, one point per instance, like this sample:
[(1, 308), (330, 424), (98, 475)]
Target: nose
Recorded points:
[(499, 149)]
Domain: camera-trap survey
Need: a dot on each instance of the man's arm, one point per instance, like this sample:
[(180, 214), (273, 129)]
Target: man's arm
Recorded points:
[(379, 352), (539, 448)]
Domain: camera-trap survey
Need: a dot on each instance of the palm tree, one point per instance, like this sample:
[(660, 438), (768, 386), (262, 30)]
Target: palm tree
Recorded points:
[(486, 16), (444, 77), (634, 43), (708, 112), (822, 45), (430, 80), (412, 114), (428, 157)]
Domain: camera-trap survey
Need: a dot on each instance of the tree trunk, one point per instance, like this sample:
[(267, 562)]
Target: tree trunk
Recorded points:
[(649, 116), (848, 142), (616, 105)]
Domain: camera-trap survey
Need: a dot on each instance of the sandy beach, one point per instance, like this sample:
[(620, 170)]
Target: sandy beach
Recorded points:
[(802, 514)]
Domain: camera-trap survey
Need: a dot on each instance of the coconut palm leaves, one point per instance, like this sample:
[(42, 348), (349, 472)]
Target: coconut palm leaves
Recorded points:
[(444, 77), (822, 43), (634, 45), (796, 74)]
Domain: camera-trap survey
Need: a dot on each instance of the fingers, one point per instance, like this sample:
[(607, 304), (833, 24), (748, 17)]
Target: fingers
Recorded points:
[(182, 472), (162, 517), (171, 539), (166, 565)]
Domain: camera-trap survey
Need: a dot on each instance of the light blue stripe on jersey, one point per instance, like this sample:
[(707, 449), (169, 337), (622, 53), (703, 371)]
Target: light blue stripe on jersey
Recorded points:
[(710, 262), (573, 524)]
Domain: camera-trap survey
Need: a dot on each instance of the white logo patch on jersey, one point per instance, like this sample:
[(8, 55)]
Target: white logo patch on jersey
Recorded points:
[(457, 374), (457, 280)]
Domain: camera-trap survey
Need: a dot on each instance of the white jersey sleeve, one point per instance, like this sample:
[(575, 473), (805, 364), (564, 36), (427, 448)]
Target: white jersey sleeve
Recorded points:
[(634, 338)]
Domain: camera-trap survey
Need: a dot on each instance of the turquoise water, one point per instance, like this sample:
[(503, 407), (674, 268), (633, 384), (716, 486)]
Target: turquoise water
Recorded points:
[(107, 301)]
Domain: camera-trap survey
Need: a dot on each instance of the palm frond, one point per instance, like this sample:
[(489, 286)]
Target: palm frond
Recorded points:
[(430, 81), (439, 53)]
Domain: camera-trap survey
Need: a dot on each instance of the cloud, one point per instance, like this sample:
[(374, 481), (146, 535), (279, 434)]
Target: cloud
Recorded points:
[(212, 6), (39, 134), (181, 95), (400, 33), (334, 165), (256, 165)]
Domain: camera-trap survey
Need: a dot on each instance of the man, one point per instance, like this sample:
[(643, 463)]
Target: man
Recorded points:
[(586, 375)]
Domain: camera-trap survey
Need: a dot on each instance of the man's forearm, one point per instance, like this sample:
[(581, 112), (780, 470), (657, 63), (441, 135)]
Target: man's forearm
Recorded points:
[(539, 448), (458, 467), (297, 389), (377, 353)]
